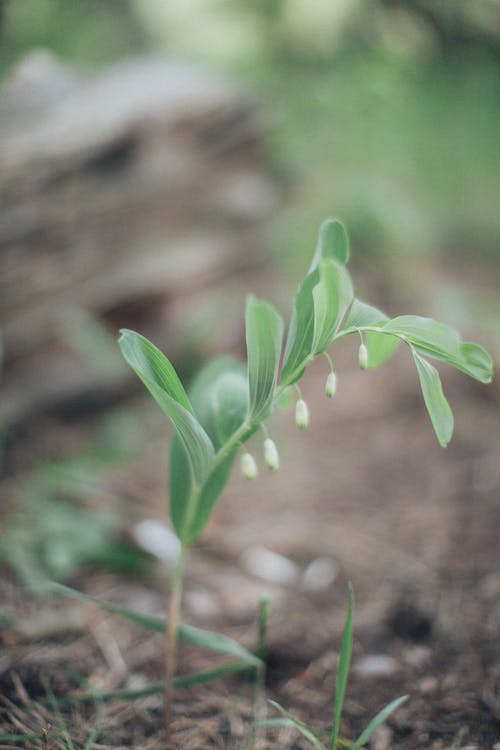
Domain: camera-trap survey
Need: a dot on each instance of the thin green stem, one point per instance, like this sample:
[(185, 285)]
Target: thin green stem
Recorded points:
[(259, 703), (172, 624), (329, 359)]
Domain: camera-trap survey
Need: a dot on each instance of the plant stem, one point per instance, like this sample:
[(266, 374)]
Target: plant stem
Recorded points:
[(257, 734), (173, 619)]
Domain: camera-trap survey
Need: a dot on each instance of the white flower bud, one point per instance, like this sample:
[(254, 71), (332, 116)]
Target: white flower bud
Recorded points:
[(363, 356), (249, 466), (271, 455), (331, 385), (301, 414)]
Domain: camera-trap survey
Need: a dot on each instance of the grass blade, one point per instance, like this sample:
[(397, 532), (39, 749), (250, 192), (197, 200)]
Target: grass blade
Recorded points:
[(342, 670), (377, 721), (291, 721), (186, 633), (182, 681)]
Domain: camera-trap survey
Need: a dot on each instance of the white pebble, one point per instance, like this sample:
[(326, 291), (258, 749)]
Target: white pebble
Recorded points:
[(268, 565), (320, 573), (376, 665), (157, 539)]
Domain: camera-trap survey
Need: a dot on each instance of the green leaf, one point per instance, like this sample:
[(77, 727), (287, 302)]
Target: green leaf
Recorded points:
[(300, 333), (342, 670), (160, 378), (380, 346), (208, 496), (333, 242), (377, 721), (361, 314), (264, 336), (219, 396), (332, 295), (185, 633), (291, 721), (427, 334), (152, 366), (435, 401), (474, 360)]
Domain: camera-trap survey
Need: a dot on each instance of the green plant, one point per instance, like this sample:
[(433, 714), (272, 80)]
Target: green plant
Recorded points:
[(228, 402), (315, 738)]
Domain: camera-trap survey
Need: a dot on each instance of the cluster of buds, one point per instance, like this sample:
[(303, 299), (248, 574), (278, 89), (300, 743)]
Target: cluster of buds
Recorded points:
[(249, 468)]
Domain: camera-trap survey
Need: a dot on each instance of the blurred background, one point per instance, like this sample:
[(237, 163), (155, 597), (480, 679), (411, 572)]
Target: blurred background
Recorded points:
[(159, 160)]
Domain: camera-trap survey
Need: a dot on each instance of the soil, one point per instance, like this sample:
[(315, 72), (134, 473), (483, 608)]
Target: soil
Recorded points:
[(366, 491)]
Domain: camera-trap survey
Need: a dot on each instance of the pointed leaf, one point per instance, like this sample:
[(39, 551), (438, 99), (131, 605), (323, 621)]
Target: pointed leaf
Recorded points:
[(474, 360), (264, 335), (300, 333), (160, 378), (331, 297), (342, 670), (333, 242), (376, 722), (151, 365), (435, 401)]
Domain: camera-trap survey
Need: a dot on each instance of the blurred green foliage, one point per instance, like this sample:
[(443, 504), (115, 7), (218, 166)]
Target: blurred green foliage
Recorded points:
[(85, 31), (66, 513), (382, 112)]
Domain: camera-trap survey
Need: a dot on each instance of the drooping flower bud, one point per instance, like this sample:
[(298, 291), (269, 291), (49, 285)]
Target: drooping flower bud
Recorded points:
[(249, 467), (271, 455), (301, 414), (363, 356), (331, 385)]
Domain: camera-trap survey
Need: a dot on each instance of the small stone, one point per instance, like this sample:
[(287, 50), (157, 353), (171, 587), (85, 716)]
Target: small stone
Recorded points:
[(428, 685), (157, 539), (417, 656), (320, 573), (382, 738), (376, 665), (201, 603), (269, 566)]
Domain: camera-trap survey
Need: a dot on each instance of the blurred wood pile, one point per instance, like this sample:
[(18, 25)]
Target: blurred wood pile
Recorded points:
[(120, 192)]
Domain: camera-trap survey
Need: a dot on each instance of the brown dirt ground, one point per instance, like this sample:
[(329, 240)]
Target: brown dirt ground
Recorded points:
[(414, 527)]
